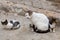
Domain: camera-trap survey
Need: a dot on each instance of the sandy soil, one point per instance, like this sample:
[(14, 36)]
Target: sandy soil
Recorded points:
[(24, 33)]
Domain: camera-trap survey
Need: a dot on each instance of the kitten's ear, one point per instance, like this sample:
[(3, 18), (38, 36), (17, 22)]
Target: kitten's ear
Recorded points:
[(6, 20), (30, 12)]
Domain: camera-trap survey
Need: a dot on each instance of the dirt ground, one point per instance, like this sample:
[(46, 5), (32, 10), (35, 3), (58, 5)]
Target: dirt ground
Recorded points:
[(24, 33)]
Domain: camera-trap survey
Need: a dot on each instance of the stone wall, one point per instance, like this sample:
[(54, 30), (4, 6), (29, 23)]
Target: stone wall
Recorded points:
[(52, 5), (19, 6)]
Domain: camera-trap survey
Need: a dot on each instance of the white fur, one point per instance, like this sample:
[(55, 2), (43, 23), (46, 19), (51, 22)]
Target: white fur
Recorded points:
[(9, 25), (39, 20), (53, 26), (27, 15)]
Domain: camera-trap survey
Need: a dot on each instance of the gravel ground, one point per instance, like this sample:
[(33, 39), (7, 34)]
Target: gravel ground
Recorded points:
[(24, 33)]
